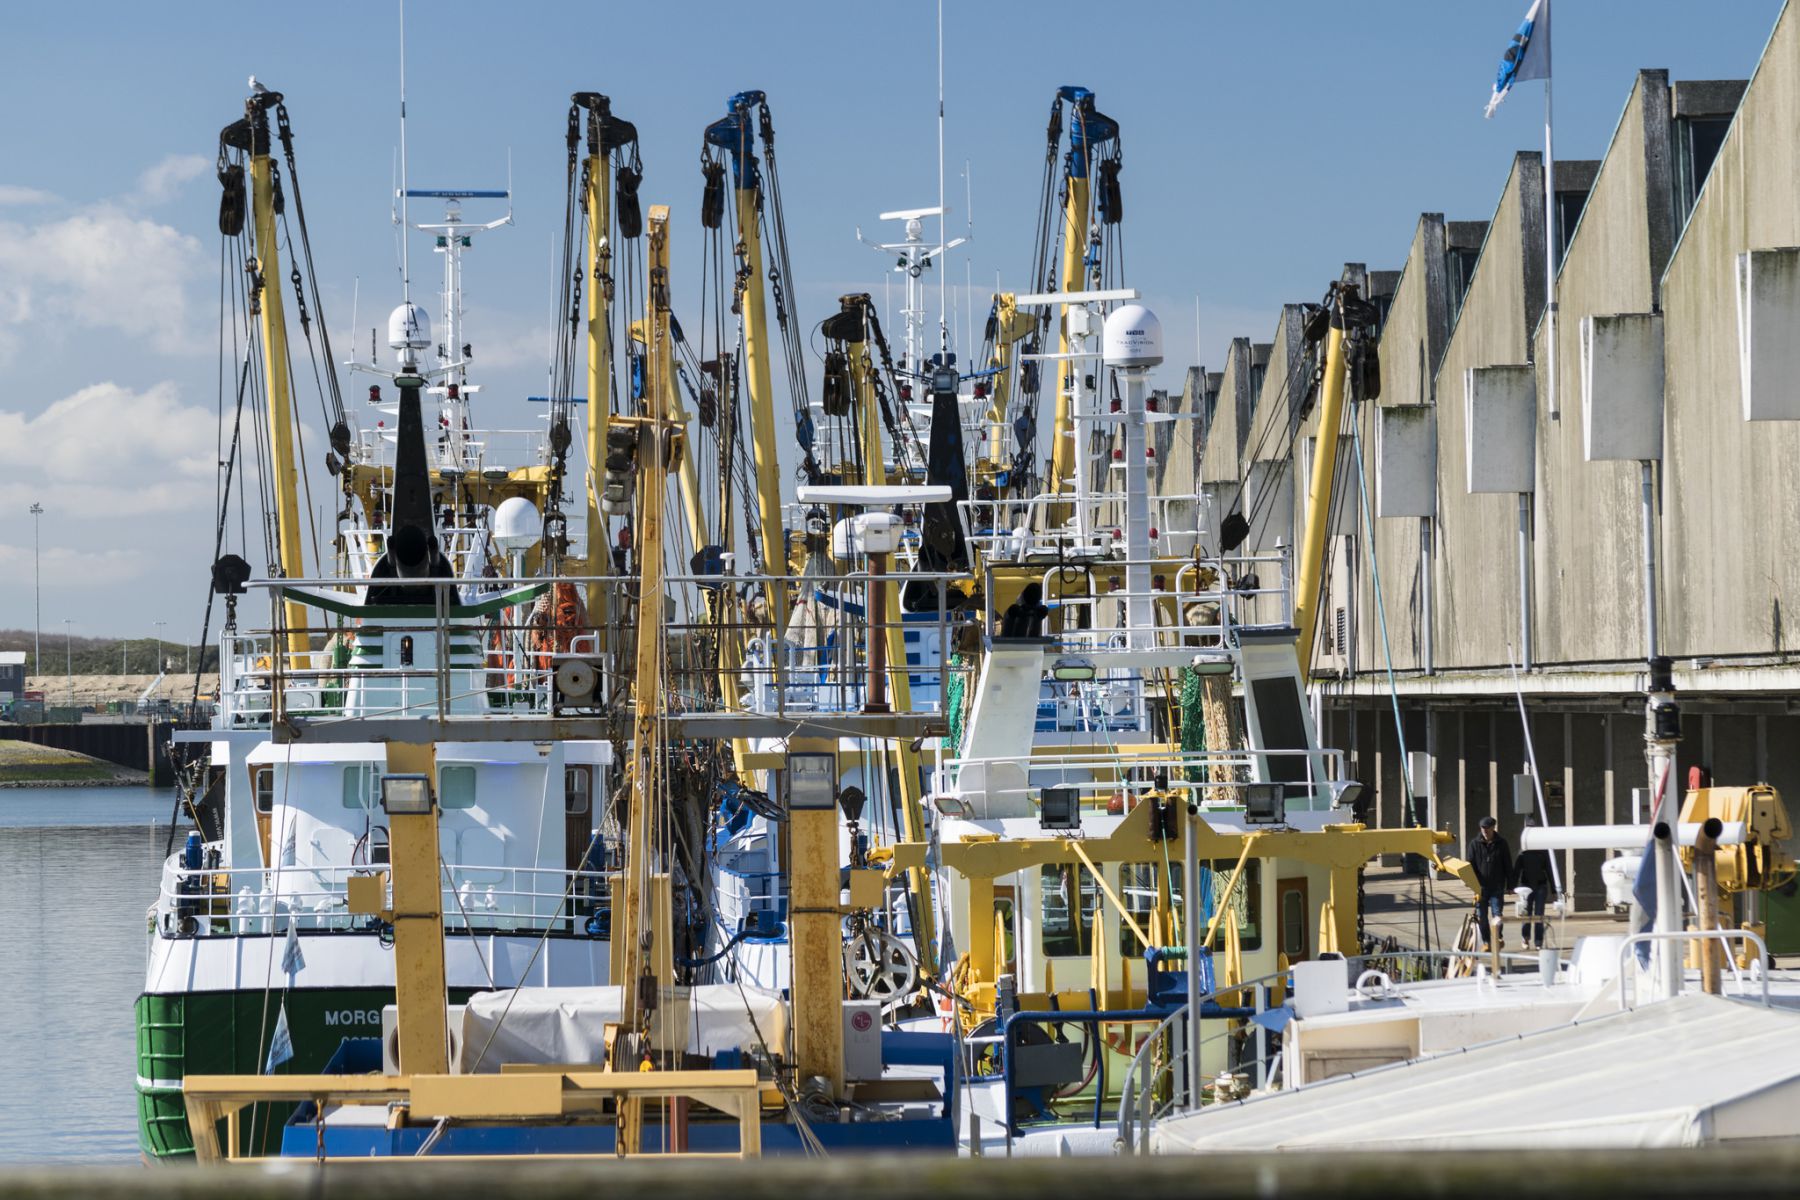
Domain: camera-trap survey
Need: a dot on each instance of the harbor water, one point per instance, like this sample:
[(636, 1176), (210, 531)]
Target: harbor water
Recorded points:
[(78, 869)]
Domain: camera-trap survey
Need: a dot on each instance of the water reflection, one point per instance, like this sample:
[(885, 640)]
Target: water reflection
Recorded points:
[(78, 870)]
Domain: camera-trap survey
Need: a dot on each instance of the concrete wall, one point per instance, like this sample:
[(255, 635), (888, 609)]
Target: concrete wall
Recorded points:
[(1476, 578), (1588, 561), (1412, 343), (1226, 431), (1730, 493)]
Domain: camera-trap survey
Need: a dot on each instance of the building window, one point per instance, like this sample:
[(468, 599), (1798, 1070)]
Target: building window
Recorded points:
[(1568, 215), (1697, 144), (1461, 274), (456, 787), (1069, 898)]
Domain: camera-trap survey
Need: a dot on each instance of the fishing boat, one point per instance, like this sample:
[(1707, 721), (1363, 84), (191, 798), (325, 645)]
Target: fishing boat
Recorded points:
[(254, 960), (649, 1057)]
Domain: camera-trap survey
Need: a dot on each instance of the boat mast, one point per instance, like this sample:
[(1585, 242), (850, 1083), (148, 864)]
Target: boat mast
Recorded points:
[(1311, 565), (632, 927), (597, 199), (733, 134), (284, 471)]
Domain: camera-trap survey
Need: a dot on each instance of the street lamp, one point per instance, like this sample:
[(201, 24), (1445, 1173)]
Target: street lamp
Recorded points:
[(159, 657), (37, 588), (68, 663)]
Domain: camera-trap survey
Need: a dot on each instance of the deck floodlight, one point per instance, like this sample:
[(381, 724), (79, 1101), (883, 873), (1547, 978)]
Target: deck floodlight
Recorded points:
[(1265, 804), (811, 781), (1346, 793), (1071, 669), (1060, 808), (952, 806), (405, 795)]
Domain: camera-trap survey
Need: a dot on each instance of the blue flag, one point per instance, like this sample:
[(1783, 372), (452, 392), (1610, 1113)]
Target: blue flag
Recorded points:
[(1643, 894), (1528, 57)]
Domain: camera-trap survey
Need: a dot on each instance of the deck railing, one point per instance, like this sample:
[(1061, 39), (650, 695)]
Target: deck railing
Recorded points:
[(203, 902)]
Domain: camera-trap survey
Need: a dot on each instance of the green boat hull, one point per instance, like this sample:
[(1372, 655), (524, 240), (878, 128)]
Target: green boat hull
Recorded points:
[(228, 1033)]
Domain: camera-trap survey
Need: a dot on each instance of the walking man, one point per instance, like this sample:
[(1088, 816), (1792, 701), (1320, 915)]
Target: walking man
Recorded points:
[(1532, 870), (1492, 859)]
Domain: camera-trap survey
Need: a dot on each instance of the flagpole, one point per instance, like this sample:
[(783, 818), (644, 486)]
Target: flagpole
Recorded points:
[(1550, 244)]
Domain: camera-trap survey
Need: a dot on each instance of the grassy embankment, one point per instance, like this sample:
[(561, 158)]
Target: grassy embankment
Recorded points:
[(25, 763)]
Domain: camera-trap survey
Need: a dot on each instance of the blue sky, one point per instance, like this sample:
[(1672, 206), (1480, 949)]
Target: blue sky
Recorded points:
[(1265, 145)]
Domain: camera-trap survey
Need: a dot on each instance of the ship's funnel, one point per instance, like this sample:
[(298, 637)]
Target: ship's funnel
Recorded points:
[(412, 550)]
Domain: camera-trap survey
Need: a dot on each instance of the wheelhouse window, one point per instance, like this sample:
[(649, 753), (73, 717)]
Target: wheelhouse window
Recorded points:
[(456, 787), (1069, 899), (1245, 903), (578, 789), (359, 786), (1140, 886)]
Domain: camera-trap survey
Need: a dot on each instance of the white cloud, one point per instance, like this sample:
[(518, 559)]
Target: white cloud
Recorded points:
[(98, 269), (162, 181), (63, 566), (109, 451), (12, 193)]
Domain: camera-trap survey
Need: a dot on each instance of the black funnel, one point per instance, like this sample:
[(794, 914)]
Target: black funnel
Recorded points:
[(412, 550)]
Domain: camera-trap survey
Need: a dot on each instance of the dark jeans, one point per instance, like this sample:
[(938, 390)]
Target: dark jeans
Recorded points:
[(1534, 907), (1490, 902)]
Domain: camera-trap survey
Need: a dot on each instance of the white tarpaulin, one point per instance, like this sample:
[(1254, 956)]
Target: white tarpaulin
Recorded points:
[(568, 1024), (1696, 1070)]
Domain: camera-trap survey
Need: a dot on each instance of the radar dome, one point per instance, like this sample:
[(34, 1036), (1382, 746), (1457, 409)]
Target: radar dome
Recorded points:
[(409, 330), (516, 525), (1132, 338)]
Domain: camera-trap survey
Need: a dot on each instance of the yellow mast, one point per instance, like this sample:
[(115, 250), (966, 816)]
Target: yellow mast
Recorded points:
[(1063, 451), (285, 472), (631, 926), (1318, 494), (762, 399), (1009, 328), (598, 202)]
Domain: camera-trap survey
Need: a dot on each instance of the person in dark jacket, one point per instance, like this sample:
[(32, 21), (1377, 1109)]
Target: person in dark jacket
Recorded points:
[(1492, 859), (1532, 870)]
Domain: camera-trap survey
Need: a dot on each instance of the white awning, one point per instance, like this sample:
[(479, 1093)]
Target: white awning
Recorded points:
[(1696, 1070)]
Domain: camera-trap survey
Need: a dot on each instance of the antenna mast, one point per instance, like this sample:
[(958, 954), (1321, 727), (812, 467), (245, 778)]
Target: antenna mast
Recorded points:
[(943, 235), (405, 222)]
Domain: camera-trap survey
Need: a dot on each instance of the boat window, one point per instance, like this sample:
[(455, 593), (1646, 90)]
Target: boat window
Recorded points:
[(1068, 925), (1246, 901), (456, 787), (1138, 888), (262, 782), (359, 786), (1003, 918), (406, 651), (578, 789), (1293, 923)]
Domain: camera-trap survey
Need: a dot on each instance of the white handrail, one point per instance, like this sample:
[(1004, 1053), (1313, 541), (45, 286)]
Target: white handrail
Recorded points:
[(1698, 935)]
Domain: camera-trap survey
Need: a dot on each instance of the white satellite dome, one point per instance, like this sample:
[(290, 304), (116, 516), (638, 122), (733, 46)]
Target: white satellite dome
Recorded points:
[(409, 331), (516, 525), (1132, 338)]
